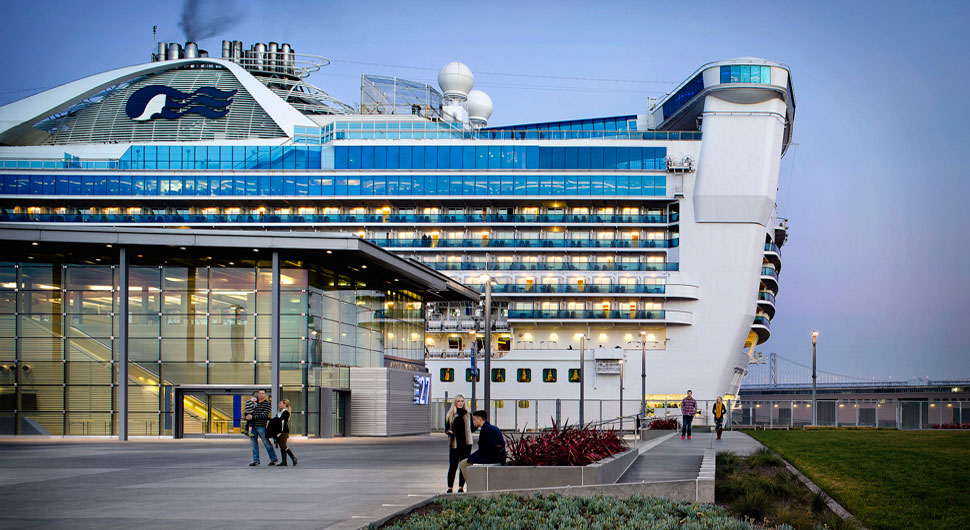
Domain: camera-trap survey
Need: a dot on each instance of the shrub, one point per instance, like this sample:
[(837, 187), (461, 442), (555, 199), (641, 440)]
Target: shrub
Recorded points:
[(764, 457), (727, 488), (753, 504), (727, 462), (668, 424), (569, 446), (951, 426), (818, 505)]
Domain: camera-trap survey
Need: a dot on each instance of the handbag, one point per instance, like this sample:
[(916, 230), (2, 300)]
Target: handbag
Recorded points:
[(274, 427)]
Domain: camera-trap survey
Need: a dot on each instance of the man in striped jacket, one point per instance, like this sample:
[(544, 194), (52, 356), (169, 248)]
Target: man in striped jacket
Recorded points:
[(688, 407), (260, 414)]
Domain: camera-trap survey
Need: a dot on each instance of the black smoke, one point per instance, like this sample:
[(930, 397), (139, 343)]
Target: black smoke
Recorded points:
[(202, 19)]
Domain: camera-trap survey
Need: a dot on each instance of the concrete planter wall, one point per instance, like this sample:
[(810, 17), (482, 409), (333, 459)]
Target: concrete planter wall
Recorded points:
[(498, 478)]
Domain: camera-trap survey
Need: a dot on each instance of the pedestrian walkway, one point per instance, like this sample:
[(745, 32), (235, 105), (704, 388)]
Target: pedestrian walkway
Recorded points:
[(338, 484), (676, 459)]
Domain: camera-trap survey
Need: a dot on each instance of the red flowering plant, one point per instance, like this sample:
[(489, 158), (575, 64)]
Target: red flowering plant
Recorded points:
[(569, 446), (951, 426), (664, 424)]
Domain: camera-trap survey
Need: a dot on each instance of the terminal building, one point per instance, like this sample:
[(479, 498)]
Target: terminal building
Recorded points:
[(649, 236)]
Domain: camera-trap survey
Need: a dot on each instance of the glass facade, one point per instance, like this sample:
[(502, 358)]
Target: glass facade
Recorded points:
[(745, 74), (684, 95), (458, 157), (200, 325)]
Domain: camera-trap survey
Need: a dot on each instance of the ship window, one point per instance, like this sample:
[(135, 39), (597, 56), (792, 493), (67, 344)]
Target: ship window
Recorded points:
[(498, 375), (523, 375), (447, 375), (574, 376), (548, 375), (468, 375)]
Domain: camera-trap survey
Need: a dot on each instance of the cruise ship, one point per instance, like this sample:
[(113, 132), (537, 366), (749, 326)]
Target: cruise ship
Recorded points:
[(642, 247)]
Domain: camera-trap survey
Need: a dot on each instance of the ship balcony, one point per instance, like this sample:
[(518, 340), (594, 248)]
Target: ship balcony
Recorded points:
[(689, 292), (476, 243), (599, 315), (766, 303), (332, 219), (769, 276), (781, 231), (555, 266), (773, 255), (762, 326)]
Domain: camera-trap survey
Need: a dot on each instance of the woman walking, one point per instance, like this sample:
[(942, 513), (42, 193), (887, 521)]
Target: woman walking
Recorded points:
[(719, 410), (284, 417), (458, 427)]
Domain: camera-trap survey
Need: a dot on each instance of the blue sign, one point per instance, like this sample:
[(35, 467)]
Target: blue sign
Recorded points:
[(157, 101), (422, 389)]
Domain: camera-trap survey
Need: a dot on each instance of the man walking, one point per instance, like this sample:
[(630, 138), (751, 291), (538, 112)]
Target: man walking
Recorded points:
[(491, 444), (688, 407), (261, 413)]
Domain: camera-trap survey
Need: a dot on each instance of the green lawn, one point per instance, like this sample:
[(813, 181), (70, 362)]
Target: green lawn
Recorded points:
[(888, 479)]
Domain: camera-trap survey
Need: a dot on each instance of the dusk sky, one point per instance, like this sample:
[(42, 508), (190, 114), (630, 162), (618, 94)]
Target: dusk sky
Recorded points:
[(876, 190)]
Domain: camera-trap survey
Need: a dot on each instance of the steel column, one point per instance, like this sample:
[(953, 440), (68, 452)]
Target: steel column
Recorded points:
[(488, 343), (122, 316), (275, 333)]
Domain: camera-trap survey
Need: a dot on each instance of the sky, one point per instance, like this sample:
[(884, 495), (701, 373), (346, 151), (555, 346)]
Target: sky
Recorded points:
[(875, 190)]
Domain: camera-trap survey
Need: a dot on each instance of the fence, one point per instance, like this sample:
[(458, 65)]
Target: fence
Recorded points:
[(528, 414)]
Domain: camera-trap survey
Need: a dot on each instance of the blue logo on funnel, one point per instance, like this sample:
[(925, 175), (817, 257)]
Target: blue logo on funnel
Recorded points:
[(157, 101)]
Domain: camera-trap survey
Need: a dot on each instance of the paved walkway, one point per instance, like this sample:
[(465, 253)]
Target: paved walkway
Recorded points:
[(676, 459), (207, 484)]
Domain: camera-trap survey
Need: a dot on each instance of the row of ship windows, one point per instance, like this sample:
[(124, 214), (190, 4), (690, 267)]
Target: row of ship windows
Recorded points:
[(497, 157), (498, 375), (307, 185)]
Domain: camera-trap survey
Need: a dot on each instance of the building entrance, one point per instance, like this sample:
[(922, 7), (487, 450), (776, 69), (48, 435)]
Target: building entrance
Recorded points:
[(211, 410)]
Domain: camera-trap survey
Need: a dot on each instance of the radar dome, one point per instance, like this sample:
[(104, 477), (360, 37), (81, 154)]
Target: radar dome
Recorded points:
[(479, 107), (455, 80)]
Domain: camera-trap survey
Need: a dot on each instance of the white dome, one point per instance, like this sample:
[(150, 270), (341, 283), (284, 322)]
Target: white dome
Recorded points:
[(455, 79), (479, 106)]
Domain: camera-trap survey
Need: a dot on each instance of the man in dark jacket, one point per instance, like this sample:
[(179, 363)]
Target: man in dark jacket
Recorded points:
[(261, 412), (491, 443)]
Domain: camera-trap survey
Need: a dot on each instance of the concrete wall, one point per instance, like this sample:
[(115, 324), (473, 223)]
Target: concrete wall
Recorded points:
[(497, 478)]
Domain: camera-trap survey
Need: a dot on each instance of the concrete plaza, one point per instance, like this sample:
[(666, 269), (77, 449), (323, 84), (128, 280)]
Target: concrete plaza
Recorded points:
[(146, 484)]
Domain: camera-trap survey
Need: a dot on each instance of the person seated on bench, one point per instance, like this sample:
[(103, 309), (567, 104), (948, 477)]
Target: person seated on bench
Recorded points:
[(491, 444)]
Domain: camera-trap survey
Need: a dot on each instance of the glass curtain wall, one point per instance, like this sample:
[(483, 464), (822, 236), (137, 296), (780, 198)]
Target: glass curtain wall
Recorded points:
[(188, 324)]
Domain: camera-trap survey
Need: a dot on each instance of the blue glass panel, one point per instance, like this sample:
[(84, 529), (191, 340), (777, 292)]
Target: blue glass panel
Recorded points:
[(545, 158), (532, 185), (572, 157), (532, 157), (380, 157), (327, 186), (124, 185), (633, 185), (214, 188), (558, 157), (370, 185), (609, 185), (353, 186), (520, 154), (558, 185), (468, 156), (455, 157), (137, 185), (494, 157), (353, 157), (367, 157), (417, 157), (202, 186), (481, 157), (289, 184), (430, 157), (405, 161), (444, 157), (596, 157), (417, 185), (545, 184), (609, 158), (583, 185), (519, 185)]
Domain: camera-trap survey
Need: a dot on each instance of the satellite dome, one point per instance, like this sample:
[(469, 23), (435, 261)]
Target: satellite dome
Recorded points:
[(479, 106), (455, 80)]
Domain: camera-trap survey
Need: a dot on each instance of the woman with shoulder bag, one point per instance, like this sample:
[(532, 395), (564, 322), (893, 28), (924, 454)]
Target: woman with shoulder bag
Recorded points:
[(458, 427), (283, 416)]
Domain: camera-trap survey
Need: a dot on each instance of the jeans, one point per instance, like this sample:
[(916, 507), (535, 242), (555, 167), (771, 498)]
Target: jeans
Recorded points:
[(261, 433), (683, 430)]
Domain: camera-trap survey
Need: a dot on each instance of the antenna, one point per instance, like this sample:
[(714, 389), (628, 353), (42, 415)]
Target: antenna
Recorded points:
[(154, 43)]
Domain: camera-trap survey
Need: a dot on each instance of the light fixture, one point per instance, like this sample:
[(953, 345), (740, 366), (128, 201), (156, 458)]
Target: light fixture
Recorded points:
[(35, 243), (180, 248), (108, 245), (255, 250), (329, 252), (363, 266)]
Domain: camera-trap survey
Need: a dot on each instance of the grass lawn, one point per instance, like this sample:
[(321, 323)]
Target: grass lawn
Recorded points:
[(888, 479)]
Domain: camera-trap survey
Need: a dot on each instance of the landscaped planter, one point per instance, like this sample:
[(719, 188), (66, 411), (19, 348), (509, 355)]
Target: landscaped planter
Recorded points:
[(499, 478)]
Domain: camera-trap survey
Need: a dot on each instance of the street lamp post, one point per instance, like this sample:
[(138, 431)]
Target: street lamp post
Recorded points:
[(474, 363), (582, 378), (814, 403), (643, 377), (621, 397), (488, 342)]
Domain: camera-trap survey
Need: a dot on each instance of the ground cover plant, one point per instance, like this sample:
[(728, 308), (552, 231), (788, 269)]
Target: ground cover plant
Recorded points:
[(759, 487), (886, 478), (569, 446), (560, 512)]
